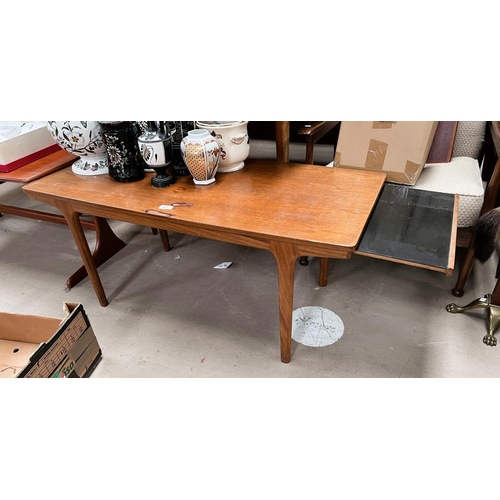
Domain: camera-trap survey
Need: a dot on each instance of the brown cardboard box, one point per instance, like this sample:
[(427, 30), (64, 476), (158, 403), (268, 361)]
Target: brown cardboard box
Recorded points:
[(41, 347), (399, 149)]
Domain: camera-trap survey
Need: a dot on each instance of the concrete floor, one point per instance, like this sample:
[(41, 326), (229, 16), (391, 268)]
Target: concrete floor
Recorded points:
[(174, 315)]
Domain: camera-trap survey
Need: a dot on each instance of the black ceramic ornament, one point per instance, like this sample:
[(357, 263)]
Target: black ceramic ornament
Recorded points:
[(122, 151), (155, 146)]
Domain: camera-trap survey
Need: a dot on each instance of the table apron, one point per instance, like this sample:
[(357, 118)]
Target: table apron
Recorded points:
[(170, 223)]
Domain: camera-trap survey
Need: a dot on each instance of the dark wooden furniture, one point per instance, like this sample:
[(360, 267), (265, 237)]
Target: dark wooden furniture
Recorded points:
[(442, 145), (491, 174), (285, 208), (285, 133), (313, 132), (282, 141)]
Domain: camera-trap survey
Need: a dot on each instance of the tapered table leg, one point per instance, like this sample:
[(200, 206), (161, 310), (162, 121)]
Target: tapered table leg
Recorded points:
[(465, 269), (107, 244), (164, 239), (323, 271), (285, 258), (75, 226)]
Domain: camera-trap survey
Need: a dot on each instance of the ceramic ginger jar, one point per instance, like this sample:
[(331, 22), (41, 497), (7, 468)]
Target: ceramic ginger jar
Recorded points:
[(84, 140), (201, 154), (233, 140)]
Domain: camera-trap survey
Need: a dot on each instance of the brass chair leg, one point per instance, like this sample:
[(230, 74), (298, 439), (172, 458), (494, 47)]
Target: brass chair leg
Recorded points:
[(494, 321), (493, 316)]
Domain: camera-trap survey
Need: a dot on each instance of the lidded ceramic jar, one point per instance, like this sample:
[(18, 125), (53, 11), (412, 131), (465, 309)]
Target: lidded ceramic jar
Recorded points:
[(83, 139), (233, 140), (201, 154)]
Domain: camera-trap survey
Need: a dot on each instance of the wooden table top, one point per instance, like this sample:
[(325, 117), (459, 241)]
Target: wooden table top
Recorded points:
[(280, 201), (39, 168)]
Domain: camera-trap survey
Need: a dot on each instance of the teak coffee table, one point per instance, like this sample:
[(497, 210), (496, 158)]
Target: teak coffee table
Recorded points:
[(288, 209)]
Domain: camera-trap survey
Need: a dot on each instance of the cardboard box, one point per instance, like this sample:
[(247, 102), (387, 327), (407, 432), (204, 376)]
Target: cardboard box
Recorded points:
[(399, 149), (26, 147), (42, 347)]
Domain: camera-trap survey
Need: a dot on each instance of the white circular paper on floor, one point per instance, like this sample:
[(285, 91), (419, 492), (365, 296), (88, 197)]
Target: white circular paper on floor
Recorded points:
[(316, 326)]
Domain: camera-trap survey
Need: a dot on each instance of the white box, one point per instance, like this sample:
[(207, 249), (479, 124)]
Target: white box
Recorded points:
[(32, 143)]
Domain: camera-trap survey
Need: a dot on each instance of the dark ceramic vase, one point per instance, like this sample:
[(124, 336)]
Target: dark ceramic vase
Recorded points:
[(124, 162)]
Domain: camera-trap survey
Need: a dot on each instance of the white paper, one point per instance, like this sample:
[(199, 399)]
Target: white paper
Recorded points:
[(316, 326), (223, 265)]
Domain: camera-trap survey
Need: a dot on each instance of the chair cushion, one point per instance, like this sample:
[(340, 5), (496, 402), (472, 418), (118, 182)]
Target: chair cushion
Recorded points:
[(461, 176)]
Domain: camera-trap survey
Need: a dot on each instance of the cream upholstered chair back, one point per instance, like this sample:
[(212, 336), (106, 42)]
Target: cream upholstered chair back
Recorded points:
[(469, 139), (462, 175)]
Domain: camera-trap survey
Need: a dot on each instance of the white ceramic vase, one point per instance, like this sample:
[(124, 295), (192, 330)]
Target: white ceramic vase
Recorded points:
[(201, 154), (83, 139), (233, 140)]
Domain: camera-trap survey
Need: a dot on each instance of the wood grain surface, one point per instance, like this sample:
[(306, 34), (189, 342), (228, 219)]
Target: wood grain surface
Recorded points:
[(283, 201)]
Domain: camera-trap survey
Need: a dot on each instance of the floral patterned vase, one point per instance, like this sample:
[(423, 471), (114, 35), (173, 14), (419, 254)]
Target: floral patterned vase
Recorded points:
[(201, 154), (83, 139), (124, 160)]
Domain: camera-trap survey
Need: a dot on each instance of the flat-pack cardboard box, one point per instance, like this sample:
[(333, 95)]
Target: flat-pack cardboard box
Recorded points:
[(32, 144), (399, 149), (43, 347)]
